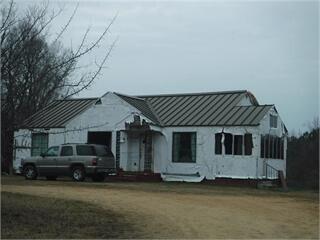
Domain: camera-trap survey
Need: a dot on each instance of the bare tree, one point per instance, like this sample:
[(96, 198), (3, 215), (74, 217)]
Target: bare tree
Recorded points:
[(34, 70)]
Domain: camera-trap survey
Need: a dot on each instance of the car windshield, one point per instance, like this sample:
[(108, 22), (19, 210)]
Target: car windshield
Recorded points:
[(85, 150)]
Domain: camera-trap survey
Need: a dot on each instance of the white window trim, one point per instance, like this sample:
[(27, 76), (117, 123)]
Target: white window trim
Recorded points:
[(273, 116)]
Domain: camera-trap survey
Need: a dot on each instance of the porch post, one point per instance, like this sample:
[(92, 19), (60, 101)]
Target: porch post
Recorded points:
[(148, 151)]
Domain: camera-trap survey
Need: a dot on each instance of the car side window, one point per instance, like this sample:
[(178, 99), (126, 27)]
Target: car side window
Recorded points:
[(66, 151), (52, 151), (85, 150)]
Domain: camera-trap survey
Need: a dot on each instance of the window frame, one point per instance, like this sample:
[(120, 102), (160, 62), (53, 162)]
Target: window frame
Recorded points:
[(271, 147), (247, 139), (245, 145), (230, 136), (218, 144), (234, 145), (66, 146), (33, 135), (195, 147), (273, 121)]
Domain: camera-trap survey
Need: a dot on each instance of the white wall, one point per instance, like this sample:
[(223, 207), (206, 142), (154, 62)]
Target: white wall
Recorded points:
[(110, 115), (279, 131), (209, 164)]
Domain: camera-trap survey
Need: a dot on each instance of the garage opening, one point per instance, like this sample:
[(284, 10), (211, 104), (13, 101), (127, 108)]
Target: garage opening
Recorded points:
[(103, 138)]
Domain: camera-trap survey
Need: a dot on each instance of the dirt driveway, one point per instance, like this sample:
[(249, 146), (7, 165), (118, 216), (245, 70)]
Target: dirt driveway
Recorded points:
[(164, 210)]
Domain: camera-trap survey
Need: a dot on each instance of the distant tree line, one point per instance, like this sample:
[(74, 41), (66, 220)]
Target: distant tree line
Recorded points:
[(303, 159)]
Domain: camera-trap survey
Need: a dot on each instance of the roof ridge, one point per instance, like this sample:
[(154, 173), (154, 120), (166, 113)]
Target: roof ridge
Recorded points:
[(76, 99), (191, 94), (132, 99), (129, 96), (260, 105)]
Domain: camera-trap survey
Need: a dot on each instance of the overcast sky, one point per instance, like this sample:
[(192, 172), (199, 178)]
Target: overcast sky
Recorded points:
[(268, 48)]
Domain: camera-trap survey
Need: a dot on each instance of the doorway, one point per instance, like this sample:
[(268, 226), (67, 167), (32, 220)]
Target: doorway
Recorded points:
[(103, 138), (136, 153)]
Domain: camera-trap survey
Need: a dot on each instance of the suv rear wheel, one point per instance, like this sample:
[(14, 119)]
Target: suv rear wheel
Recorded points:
[(30, 172), (78, 173)]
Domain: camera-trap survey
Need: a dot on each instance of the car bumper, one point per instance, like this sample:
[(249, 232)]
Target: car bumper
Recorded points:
[(95, 170)]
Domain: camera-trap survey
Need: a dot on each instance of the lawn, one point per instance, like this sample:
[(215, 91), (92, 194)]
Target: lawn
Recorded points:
[(65, 209), (25, 216)]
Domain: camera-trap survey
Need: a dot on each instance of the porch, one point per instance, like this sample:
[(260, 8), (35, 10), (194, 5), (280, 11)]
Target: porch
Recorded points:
[(135, 148)]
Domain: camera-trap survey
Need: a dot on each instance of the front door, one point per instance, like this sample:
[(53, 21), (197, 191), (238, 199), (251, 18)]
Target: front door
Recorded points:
[(134, 154)]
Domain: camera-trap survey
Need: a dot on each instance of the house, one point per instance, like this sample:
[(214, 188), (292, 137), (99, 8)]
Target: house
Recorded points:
[(183, 137)]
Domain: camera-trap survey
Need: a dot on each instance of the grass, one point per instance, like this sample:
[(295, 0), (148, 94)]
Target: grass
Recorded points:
[(25, 217), (154, 210), (170, 187)]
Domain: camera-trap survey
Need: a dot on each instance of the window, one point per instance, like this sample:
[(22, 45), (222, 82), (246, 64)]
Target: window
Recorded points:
[(228, 143), (52, 151), (233, 144), (66, 151), (218, 144), (273, 121), (281, 148), (248, 144), (85, 150), (103, 151), (39, 143), (272, 147), (184, 147), (262, 146), (237, 147)]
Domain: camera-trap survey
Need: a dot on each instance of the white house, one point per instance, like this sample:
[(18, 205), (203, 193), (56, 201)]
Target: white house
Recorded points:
[(181, 136)]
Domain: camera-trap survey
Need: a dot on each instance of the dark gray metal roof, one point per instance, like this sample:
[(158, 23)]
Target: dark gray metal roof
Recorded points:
[(141, 105), (58, 113), (190, 109), (206, 109)]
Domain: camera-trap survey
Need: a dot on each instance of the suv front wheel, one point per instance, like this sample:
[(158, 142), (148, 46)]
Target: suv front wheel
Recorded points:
[(30, 172), (78, 173)]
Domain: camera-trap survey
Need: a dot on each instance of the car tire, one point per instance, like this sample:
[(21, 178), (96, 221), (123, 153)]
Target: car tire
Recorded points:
[(78, 174), (30, 172), (99, 177), (51, 178)]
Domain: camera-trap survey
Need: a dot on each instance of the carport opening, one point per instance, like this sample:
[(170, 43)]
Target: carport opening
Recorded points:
[(103, 138)]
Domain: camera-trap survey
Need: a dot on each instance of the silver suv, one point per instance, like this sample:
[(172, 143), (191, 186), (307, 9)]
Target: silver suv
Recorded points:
[(75, 160)]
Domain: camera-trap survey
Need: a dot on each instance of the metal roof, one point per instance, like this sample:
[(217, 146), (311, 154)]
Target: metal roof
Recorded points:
[(58, 113), (141, 105), (206, 109), (189, 109)]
